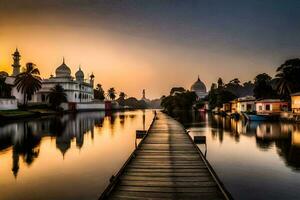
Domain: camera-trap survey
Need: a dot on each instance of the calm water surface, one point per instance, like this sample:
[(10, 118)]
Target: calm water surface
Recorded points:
[(74, 156), (71, 157), (253, 160)]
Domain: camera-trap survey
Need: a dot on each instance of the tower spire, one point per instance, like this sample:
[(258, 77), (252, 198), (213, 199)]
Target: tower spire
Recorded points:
[(144, 94), (16, 64)]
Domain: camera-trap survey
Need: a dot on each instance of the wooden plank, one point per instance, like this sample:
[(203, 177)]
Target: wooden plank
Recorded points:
[(167, 174), (139, 166), (166, 165), (156, 196), (171, 183), (173, 170), (161, 179), (168, 189)]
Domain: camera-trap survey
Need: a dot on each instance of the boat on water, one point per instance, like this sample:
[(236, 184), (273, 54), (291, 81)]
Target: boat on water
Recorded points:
[(257, 117)]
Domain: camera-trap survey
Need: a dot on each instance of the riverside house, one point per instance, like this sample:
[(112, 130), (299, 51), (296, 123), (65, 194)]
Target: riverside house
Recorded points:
[(246, 104), (239, 105), (271, 106), (295, 103)]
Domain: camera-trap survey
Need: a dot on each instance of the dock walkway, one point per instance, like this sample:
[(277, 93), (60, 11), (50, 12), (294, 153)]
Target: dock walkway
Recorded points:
[(166, 165)]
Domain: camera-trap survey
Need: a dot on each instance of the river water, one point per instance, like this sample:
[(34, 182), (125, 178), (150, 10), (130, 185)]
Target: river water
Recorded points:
[(74, 156), (253, 160), (69, 157)]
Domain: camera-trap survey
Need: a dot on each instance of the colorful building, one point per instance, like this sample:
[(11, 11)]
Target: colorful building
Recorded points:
[(246, 104), (295, 103), (271, 106)]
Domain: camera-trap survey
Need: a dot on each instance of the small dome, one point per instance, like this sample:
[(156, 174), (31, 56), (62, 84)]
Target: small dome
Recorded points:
[(198, 86), (92, 76), (63, 70), (3, 74), (79, 73)]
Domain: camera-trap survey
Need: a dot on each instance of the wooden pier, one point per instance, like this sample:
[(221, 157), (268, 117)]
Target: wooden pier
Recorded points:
[(166, 165)]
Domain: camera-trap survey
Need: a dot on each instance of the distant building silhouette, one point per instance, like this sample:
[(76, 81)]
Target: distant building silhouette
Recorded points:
[(199, 88), (144, 96)]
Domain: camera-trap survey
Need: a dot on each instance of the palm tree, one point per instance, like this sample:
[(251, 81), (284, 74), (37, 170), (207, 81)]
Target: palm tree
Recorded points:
[(99, 92), (122, 95), (287, 77), (284, 84), (57, 96), (111, 93), (121, 99), (29, 81)]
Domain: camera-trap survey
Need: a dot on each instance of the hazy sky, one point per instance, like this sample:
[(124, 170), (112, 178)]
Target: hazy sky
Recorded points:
[(152, 44)]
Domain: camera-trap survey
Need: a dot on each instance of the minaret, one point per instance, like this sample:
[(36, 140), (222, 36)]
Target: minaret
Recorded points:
[(92, 78), (16, 65), (144, 94)]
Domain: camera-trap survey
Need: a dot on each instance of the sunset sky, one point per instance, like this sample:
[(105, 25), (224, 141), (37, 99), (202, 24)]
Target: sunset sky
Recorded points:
[(151, 44)]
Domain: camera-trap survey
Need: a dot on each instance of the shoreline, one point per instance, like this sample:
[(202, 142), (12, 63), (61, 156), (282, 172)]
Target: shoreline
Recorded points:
[(17, 115)]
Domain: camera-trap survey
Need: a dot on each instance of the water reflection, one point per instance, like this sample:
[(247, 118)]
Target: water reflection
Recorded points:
[(285, 136), (40, 158), (247, 156), (51, 154), (24, 137)]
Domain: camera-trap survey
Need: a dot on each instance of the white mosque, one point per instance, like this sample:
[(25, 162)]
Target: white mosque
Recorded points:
[(79, 91), (199, 88)]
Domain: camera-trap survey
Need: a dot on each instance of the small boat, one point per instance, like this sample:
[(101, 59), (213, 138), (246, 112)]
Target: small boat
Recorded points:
[(255, 117)]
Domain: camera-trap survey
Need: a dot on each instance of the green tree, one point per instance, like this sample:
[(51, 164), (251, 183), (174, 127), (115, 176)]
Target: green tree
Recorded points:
[(29, 81), (121, 99), (99, 92), (177, 90), (212, 96), (262, 87), (238, 89), (218, 96), (173, 104), (134, 103), (57, 96), (235, 81), (5, 89), (122, 95), (111, 93), (287, 78), (220, 83)]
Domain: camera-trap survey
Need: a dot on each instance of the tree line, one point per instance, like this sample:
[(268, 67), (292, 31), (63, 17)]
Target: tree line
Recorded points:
[(285, 82)]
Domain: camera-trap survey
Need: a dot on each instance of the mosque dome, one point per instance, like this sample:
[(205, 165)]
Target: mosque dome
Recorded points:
[(3, 74), (198, 86), (79, 75), (63, 70)]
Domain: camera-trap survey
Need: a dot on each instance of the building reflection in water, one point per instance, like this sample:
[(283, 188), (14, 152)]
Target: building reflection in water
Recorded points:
[(284, 136), (24, 137)]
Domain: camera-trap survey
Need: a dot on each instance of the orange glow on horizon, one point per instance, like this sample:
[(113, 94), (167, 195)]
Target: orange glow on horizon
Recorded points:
[(126, 62)]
